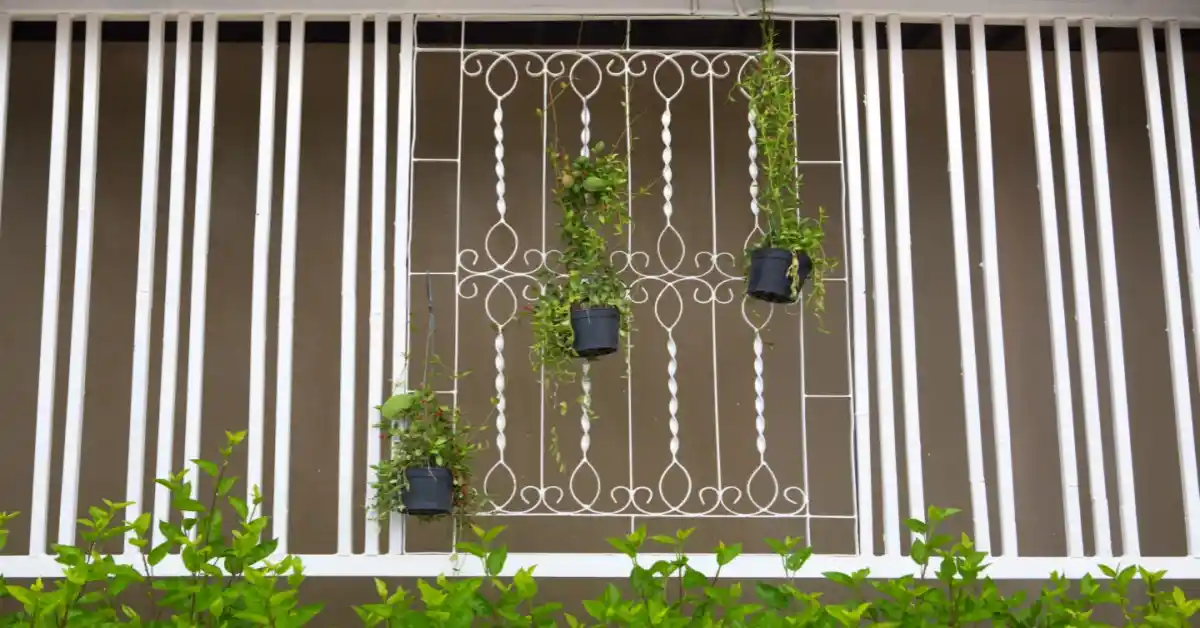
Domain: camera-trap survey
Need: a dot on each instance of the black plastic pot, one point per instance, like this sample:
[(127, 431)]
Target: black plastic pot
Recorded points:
[(597, 331), (769, 280), (430, 491)]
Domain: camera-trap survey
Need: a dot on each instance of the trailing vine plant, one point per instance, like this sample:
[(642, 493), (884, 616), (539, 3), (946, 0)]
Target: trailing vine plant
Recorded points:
[(771, 93), (591, 190), (423, 433)]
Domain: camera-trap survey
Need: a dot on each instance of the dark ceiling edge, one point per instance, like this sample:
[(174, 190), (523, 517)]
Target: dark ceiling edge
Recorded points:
[(642, 33)]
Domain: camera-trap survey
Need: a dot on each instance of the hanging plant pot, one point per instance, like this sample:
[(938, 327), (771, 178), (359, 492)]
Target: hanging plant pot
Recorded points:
[(769, 279), (430, 491), (597, 331)]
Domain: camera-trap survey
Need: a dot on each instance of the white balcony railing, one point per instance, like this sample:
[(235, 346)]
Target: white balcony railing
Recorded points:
[(475, 189)]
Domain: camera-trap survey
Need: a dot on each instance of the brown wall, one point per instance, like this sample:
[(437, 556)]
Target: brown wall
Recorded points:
[(823, 442)]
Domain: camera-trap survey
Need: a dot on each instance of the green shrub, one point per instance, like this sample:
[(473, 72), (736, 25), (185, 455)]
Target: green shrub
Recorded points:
[(235, 579)]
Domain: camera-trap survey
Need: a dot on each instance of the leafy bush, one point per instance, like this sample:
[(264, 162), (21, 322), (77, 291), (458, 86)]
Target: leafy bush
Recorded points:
[(238, 580), (233, 578)]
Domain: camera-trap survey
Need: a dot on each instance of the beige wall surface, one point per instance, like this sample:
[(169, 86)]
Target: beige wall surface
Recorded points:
[(713, 342)]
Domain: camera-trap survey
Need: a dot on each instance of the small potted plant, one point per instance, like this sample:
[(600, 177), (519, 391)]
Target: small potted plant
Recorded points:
[(428, 473), (583, 311), (790, 249)]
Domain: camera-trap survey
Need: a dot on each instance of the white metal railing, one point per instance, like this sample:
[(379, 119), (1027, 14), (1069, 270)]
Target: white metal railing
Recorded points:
[(714, 282)]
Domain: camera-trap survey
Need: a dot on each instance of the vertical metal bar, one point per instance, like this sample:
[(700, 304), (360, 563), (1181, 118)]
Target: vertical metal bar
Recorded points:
[(1186, 164), (801, 354), (882, 299), (1089, 385), (177, 206), (1180, 387), (144, 299), (1054, 291), (400, 260), (379, 180), (904, 271), (5, 59), (962, 280), (262, 252), (81, 301), (47, 365), (200, 235), (287, 285), (354, 94), (997, 370), (1113, 334), (858, 279)]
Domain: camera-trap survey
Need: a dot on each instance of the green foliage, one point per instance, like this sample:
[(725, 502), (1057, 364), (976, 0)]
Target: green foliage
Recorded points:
[(235, 579), (592, 192), (772, 95), (423, 433)]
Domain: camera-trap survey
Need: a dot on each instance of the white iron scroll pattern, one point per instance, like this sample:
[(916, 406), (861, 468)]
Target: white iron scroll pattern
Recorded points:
[(506, 273)]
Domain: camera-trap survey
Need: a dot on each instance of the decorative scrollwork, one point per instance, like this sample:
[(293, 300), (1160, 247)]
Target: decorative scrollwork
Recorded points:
[(655, 278)]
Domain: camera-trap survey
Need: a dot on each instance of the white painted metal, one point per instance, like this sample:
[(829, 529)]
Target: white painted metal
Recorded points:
[(256, 432), (202, 208), (81, 300), (48, 355), (1125, 11), (1054, 291), (1113, 335), (904, 272), (403, 237), (962, 279), (144, 303), (379, 179), (1085, 335), (168, 382), (501, 265), (858, 280), (549, 64), (881, 303), (349, 407), (997, 370), (1180, 387), (287, 286), (1185, 159), (616, 566), (5, 59)]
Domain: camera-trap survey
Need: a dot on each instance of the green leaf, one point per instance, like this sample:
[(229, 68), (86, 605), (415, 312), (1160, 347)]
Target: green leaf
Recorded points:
[(186, 504), (771, 595), (226, 485), (396, 405), (20, 594), (495, 561), (525, 584), (595, 608), (916, 526), (254, 618), (726, 553), (208, 467), (693, 579), (159, 553), (239, 506), (840, 578), (429, 595)]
